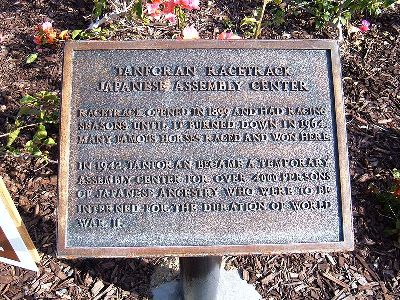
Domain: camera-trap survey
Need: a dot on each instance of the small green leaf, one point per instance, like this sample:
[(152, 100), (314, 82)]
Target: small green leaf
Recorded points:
[(40, 133), (396, 174), (49, 142), (36, 152), (75, 33), (347, 16), (146, 20), (49, 97), (64, 34), (12, 136), (139, 9), (13, 151), (31, 58), (43, 159), (32, 148), (29, 144), (28, 111), (99, 7), (28, 99), (248, 21), (18, 123), (54, 116)]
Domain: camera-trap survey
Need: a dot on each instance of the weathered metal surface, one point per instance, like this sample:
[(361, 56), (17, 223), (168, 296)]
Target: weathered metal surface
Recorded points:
[(200, 277), (201, 148)]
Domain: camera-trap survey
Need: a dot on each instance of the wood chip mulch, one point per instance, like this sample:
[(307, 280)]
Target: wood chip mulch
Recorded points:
[(371, 79)]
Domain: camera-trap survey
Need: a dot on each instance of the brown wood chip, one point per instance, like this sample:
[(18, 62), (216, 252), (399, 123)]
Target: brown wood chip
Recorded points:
[(366, 266), (6, 279), (246, 275), (98, 286), (384, 291), (335, 280)]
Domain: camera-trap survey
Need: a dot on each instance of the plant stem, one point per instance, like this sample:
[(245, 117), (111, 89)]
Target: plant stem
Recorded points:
[(29, 155), (339, 21), (120, 10), (27, 126), (258, 29), (178, 19)]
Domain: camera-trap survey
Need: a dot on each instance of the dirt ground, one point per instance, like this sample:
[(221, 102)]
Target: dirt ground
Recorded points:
[(371, 77)]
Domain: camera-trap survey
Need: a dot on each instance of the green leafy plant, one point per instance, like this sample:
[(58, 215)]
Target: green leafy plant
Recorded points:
[(138, 12), (252, 25), (75, 34), (180, 17), (228, 23), (260, 18), (99, 6), (341, 12), (98, 33), (249, 26), (390, 201), (323, 11), (109, 11), (36, 112), (31, 58), (278, 16)]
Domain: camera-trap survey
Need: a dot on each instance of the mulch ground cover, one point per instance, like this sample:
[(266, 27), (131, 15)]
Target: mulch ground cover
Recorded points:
[(371, 77)]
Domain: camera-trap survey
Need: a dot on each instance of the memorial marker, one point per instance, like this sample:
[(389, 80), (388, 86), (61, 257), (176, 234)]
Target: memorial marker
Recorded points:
[(16, 247), (202, 148)]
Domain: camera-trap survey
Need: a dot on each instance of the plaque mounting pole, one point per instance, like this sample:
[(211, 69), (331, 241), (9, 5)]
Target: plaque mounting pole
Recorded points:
[(200, 277)]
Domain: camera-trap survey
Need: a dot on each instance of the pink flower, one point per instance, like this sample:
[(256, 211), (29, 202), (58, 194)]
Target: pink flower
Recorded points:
[(171, 18), (47, 26), (51, 37), (153, 8), (37, 40), (169, 7), (45, 34), (159, 8), (228, 36), (166, 8), (189, 4), (190, 33), (364, 27)]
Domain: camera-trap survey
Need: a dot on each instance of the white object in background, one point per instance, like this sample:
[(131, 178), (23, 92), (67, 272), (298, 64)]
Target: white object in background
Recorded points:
[(16, 247)]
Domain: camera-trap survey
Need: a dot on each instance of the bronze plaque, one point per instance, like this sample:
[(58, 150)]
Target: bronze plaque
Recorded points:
[(202, 148)]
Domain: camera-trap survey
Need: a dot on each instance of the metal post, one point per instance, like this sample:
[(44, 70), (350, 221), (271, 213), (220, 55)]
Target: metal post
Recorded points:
[(200, 277)]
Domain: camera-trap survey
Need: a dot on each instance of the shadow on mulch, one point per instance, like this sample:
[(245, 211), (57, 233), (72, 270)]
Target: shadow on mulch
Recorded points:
[(129, 274), (377, 150), (374, 150), (67, 14), (236, 11)]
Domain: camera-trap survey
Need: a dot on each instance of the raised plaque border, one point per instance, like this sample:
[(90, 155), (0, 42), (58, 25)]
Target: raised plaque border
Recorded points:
[(103, 252)]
